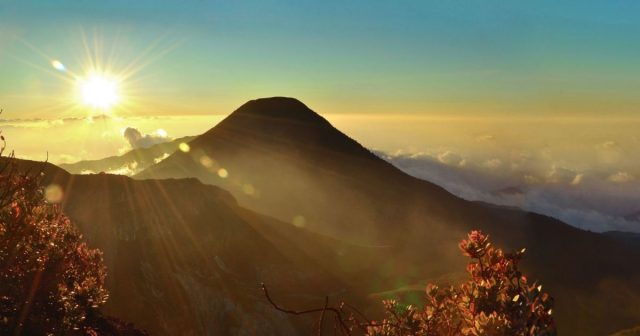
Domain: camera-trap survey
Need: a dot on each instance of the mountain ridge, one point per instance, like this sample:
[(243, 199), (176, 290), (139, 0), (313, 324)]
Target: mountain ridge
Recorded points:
[(136, 159), (308, 155), (300, 175), (277, 120)]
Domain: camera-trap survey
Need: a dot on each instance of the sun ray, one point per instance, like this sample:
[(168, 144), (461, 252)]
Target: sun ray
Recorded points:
[(138, 65), (105, 78), (66, 76)]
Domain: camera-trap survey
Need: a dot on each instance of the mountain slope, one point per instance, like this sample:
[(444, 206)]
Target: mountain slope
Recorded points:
[(274, 150), (184, 259), (280, 158)]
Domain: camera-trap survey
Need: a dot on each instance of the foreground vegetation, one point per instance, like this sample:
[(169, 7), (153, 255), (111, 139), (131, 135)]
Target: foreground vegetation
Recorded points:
[(51, 283), (498, 300)]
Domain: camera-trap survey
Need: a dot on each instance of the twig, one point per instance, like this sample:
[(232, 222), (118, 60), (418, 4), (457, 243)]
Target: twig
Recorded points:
[(321, 320), (336, 311)]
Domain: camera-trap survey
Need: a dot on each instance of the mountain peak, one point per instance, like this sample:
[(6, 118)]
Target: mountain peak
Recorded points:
[(278, 129), (280, 121), (278, 108)]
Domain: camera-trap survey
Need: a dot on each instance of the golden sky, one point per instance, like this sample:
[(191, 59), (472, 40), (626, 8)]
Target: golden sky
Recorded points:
[(459, 81)]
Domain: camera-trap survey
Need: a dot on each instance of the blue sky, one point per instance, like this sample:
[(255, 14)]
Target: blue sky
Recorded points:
[(513, 57)]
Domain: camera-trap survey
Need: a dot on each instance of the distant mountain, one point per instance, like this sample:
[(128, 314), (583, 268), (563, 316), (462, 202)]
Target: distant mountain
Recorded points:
[(184, 259), (508, 191), (280, 158), (633, 216), (129, 163)]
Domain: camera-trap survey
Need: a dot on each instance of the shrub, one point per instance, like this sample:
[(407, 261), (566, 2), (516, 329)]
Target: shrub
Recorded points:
[(50, 281), (497, 300)]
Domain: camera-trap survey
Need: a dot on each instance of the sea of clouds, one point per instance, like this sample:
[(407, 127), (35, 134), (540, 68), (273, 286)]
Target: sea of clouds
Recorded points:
[(592, 200)]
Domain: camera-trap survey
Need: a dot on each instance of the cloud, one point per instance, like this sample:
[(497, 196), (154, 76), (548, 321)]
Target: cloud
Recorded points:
[(451, 158), (128, 169), (621, 177), (609, 144), (609, 152), (160, 158), (137, 140), (531, 179), (67, 158), (578, 179), (486, 137), (31, 123), (562, 175), (590, 200), (493, 163)]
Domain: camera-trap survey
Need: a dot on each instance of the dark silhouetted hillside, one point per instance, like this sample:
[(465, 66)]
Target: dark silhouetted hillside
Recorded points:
[(630, 239), (184, 259)]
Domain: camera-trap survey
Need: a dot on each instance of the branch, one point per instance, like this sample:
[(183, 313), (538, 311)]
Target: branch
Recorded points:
[(321, 320), (338, 314)]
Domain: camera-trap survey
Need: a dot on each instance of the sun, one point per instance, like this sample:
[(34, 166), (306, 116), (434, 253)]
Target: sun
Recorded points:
[(99, 91)]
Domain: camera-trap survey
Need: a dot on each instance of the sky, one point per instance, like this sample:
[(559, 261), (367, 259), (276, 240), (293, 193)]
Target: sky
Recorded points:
[(528, 94), (207, 57)]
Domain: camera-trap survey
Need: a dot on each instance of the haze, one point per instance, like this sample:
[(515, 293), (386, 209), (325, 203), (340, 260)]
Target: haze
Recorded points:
[(330, 149)]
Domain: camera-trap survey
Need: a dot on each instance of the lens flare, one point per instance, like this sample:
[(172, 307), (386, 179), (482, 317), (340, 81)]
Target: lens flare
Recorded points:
[(299, 221), (206, 161), (249, 189), (58, 65), (184, 147), (53, 193)]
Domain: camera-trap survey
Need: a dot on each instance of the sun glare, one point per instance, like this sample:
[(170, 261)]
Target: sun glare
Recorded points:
[(99, 91)]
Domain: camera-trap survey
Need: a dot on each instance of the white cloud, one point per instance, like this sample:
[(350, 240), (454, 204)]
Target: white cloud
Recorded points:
[(31, 123), (586, 199), (137, 140), (128, 169), (451, 158), (160, 158)]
